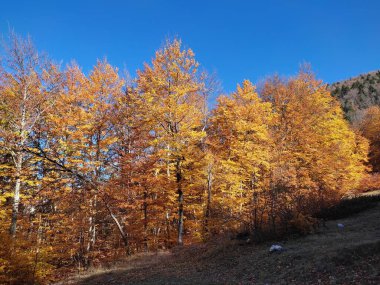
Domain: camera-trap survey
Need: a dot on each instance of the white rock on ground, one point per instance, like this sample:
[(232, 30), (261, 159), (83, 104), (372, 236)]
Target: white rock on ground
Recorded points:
[(276, 247)]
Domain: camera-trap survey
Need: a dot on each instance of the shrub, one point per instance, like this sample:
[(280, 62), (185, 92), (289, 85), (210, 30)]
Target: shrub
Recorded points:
[(303, 224), (348, 207), (370, 182), (19, 264)]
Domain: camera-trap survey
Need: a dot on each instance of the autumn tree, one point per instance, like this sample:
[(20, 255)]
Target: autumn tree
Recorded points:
[(137, 186), (241, 141), (369, 126), (30, 83), (171, 91), (317, 157), (81, 143)]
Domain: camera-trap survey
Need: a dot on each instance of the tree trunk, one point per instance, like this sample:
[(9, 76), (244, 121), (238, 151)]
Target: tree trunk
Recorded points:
[(92, 222), (18, 164), (16, 195), (180, 217), (167, 220), (180, 202), (145, 209), (93, 201), (208, 205)]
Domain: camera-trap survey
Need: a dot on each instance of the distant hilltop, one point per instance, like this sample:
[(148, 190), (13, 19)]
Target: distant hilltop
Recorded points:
[(357, 93)]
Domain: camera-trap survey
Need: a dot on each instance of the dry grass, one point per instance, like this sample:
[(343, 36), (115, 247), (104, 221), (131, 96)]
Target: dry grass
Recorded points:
[(332, 256)]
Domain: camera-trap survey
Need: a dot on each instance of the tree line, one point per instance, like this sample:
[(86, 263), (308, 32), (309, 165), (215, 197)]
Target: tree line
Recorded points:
[(95, 166)]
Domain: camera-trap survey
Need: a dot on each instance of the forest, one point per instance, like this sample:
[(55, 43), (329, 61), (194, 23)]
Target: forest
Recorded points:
[(95, 167)]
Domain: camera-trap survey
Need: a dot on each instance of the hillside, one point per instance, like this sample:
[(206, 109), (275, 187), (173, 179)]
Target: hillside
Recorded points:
[(331, 256), (358, 93)]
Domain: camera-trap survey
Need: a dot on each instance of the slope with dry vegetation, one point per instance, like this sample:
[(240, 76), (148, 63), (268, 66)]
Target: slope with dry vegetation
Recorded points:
[(332, 255)]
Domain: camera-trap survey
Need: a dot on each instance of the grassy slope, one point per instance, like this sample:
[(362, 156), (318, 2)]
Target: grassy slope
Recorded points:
[(332, 256)]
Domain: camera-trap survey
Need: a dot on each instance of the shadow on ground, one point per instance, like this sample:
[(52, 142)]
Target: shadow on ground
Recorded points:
[(334, 256)]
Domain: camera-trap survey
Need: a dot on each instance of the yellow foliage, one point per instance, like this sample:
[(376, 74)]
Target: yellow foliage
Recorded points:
[(106, 169), (22, 264), (369, 126)]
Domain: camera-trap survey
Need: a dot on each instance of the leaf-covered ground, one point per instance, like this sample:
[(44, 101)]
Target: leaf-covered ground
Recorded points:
[(332, 256)]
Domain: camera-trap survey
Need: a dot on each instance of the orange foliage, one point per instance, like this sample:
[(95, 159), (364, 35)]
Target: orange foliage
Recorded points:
[(369, 126), (370, 182), (102, 169)]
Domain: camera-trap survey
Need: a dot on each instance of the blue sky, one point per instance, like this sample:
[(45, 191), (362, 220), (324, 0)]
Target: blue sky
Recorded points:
[(237, 39)]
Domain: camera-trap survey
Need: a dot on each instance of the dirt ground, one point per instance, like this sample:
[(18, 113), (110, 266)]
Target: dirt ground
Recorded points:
[(333, 256)]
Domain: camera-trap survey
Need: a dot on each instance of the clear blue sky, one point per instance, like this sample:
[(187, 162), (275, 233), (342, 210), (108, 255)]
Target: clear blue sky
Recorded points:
[(237, 39)]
